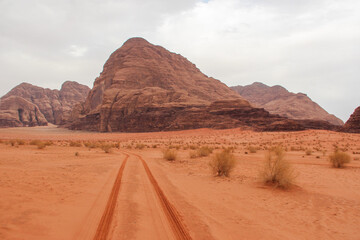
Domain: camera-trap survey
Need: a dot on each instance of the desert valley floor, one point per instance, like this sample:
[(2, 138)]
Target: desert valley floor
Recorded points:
[(72, 189)]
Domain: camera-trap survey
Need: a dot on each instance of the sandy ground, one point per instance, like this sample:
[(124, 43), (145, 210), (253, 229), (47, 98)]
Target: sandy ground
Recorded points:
[(67, 192)]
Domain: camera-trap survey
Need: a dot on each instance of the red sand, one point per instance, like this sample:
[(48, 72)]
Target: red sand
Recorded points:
[(52, 194)]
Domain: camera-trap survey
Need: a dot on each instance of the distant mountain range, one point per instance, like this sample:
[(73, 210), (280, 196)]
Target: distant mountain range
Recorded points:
[(278, 100), (29, 105), (144, 87)]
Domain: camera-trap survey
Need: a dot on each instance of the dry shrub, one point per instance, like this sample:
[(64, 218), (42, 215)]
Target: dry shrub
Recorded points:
[(107, 148), (90, 145), (140, 146), (75, 144), (223, 163), (308, 152), (170, 154), (77, 154), (20, 142), (193, 154), (252, 149), (338, 159), (41, 145), (204, 151), (277, 171)]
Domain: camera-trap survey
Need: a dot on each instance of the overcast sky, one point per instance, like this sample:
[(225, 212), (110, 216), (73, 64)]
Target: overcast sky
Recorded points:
[(309, 46)]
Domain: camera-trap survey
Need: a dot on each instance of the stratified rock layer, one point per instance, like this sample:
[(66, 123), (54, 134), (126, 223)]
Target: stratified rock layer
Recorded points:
[(278, 100), (353, 124), (144, 87), (29, 105)]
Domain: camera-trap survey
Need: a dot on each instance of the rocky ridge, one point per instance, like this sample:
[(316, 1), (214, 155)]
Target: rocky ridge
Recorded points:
[(29, 105), (144, 87), (278, 100), (353, 124)]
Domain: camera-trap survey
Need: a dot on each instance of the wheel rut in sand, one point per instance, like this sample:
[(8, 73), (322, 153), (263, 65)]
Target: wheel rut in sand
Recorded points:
[(178, 227), (106, 219), (173, 221)]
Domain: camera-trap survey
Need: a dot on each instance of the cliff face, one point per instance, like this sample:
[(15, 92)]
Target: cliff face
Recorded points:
[(144, 87), (53, 106), (278, 100), (353, 124)]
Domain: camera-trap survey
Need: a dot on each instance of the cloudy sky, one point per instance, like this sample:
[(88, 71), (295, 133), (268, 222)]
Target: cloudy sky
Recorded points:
[(309, 46)]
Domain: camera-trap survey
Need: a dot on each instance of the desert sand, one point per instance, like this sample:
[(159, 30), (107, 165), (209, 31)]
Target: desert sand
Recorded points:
[(66, 191)]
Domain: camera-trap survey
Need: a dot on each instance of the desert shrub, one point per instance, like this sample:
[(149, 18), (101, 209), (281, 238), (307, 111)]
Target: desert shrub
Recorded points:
[(77, 154), (193, 154), (106, 147), (34, 142), (75, 144), (252, 149), (338, 159), (41, 145), (20, 142), (204, 151), (308, 152), (154, 146), (170, 154), (140, 146), (90, 145), (222, 163), (12, 142), (193, 147), (276, 170)]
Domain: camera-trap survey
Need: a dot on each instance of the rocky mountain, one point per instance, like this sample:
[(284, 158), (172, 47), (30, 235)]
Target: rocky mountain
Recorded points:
[(278, 100), (29, 105), (144, 87), (353, 124)]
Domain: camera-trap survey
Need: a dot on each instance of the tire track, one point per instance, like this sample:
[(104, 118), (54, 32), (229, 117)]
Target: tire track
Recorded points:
[(106, 219), (173, 216)]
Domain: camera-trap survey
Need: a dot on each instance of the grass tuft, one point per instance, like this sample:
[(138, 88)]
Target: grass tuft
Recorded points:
[(223, 163), (338, 159), (277, 170)]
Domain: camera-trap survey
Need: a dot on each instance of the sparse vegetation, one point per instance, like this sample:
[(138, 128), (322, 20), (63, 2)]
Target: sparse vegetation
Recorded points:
[(75, 144), (77, 154), (223, 163), (170, 154), (252, 149), (204, 151), (308, 152), (338, 159), (277, 171), (140, 146), (107, 148)]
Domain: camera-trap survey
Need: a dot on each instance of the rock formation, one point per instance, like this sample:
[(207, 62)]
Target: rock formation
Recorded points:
[(144, 87), (278, 100), (353, 124), (29, 105)]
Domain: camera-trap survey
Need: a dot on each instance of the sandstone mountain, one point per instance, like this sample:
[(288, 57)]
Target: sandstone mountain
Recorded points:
[(29, 105), (278, 100), (353, 124), (144, 87)]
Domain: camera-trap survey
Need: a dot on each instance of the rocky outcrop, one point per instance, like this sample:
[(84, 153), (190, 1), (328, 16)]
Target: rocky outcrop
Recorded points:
[(144, 87), (15, 111), (278, 100), (53, 106), (353, 124)]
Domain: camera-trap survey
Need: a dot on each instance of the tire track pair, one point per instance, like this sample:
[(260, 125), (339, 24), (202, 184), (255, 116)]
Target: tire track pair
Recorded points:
[(174, 218), (106, 219)]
